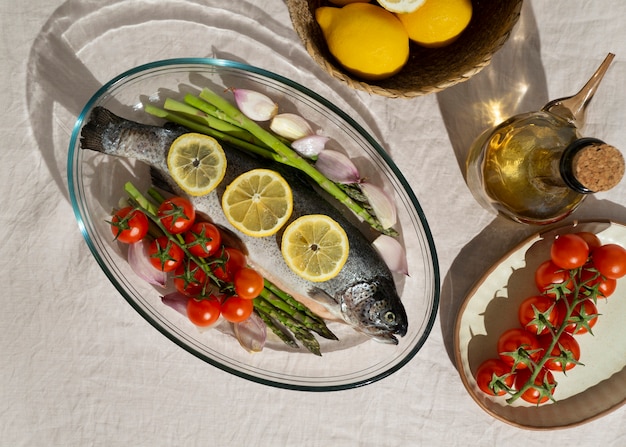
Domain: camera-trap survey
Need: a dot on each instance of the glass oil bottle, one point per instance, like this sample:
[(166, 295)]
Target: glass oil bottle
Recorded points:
[(536, 168)]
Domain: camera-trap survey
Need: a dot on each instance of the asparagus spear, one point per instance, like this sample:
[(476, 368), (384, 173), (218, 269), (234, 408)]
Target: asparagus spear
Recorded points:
[(290, 155), (314, 324), (299, 330), (191, 124), (277, 329), (215, 123)]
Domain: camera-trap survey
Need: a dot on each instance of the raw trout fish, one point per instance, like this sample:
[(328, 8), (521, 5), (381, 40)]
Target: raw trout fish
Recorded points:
[(363, 295)]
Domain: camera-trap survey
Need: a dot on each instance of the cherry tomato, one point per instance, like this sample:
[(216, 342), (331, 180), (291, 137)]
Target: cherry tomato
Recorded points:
[(517, 348), (129, 225), (190, 279), (234, 261), (610, 260), (583, 317), (552, 280), (494, 377), (203, 239), (248, 283), (203, 312), (590, 238), (164, 254), (593, 280), (177, 214), (535, 394), (538, 313), (569, 251), (565, 354), (236, 309)]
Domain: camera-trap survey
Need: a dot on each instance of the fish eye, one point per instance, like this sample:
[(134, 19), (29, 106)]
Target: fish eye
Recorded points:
[(389, 317)]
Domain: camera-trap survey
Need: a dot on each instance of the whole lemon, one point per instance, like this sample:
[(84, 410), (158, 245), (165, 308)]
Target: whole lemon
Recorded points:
[(437, 22), (367, 40)]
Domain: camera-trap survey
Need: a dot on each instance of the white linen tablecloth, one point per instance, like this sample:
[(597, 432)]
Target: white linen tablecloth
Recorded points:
[(80, 367)]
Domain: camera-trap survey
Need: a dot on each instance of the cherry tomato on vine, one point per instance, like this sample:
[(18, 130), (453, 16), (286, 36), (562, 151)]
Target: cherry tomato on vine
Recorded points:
[(550, 276), (610, 260), (517, 348), (565, 354), (590, 238), (236, 309), (234, 261), (129, 225), (203, 312), (494, 377), (593, 280), (203, 239), (248, 283), (164, 254), (177, 214), (569, 251), (534, 394), (583, 317), (538, 313), (190, 279)]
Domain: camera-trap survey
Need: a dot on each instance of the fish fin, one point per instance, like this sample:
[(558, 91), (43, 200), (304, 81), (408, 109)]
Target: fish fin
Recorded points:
[(159, 180), (324, 299), (176, 127), (91, 133), (322, 296), (102, 117), (388, 339), (231, 239)]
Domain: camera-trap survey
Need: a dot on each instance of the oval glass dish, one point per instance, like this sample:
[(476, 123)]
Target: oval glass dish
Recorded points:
[(96, 184), (587, 391)]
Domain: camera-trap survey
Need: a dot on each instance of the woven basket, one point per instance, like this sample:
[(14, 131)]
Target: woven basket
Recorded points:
[(427, 70)]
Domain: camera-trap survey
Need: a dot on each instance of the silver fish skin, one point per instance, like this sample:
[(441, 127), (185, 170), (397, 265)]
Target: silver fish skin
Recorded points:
[(363, 294)]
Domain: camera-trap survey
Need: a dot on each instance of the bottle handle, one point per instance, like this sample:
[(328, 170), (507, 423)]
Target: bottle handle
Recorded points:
[(573, 107)]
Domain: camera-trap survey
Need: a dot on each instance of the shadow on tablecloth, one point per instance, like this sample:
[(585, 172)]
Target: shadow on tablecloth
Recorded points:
[(84, 44)]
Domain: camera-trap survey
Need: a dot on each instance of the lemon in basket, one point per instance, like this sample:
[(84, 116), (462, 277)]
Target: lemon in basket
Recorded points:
[(315, 247), (197, 163), (258, 202), (366, 39), (437, 23)]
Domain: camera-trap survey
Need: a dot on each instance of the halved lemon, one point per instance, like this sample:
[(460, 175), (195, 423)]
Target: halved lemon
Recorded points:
[(315, 247), (258, 202), (197, 163), (401, 6)]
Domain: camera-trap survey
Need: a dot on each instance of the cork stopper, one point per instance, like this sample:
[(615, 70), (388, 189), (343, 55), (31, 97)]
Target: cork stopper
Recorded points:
[(598, 166)]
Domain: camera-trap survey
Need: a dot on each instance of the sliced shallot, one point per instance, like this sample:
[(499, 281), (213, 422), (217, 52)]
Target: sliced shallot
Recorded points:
[(139, 261), (383, 205), (392, 252), (255, 105), (290, 126), (176, 301), (310, 146), (337, 167), (251, 333)]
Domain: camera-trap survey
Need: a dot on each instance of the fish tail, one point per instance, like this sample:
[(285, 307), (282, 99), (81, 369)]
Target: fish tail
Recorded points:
[(91, 135)]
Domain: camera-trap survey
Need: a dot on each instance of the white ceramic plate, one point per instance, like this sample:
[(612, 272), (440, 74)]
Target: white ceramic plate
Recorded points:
[(490, 308)]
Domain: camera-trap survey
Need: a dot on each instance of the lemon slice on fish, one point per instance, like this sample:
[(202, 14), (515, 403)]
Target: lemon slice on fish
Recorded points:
[(315, 247), (258, 202), (197, 163)]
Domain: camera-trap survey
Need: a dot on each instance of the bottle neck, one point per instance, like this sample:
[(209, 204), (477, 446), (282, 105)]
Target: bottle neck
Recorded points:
[(566, 165)]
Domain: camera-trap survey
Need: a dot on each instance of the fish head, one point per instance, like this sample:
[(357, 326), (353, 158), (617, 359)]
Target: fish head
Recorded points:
[(374, 308)]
